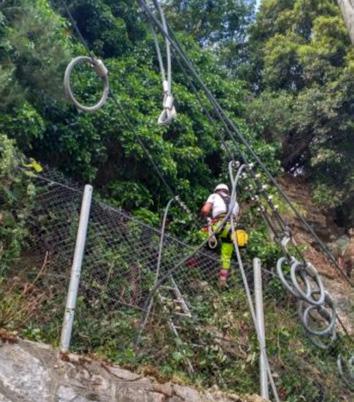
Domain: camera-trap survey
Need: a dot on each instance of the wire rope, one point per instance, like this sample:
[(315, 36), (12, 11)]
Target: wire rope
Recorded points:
[(235, 131), (118, 104), (169, 111), (97, 64), (158, 267), (234, 181)]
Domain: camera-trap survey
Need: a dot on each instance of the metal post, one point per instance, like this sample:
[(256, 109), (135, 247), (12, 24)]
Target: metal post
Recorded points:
[(76, 270), (258, 292)]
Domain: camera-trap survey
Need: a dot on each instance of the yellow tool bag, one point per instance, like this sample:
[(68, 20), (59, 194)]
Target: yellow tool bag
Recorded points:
[(241, 237)]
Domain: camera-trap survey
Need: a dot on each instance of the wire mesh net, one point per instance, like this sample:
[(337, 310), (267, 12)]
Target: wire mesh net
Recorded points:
[(192, 326)]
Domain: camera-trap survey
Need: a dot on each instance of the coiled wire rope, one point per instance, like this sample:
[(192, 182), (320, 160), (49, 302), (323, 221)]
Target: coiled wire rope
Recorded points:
[(101, 71), (231, 130), (96, 63), (302, 280)]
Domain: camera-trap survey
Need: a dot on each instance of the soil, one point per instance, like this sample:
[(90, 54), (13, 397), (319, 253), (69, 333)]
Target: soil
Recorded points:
[(322, 221)]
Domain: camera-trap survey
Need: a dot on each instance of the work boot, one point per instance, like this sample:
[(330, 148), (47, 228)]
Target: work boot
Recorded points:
[(223, 274)]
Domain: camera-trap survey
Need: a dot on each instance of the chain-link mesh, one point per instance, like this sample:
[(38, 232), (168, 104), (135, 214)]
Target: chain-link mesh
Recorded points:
[(215, 335)]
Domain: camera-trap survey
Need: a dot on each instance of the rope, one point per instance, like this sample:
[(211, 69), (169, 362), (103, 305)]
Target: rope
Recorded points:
[(77, 30), (103, 73), (169, 111), (234, 181), (185, 259), (307, 273), (232, 130), (97, 64), (158, 267)]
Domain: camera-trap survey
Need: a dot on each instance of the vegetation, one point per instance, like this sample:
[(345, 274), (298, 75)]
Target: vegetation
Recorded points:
[(285, 76), (16, 195), (301, 70)]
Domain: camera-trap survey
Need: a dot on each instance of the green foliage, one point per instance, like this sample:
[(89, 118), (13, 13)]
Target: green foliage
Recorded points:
[(212, 22), (301, 67), (101, 147), (302, 63), (16, 195)]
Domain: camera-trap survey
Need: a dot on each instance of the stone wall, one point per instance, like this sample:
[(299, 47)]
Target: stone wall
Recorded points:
[(32, 372)]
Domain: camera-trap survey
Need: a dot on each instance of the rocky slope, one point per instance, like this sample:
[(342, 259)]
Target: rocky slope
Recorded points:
[(31, 372), (324, 225)]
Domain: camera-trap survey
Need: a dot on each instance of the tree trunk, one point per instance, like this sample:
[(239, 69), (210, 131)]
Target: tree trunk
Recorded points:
[(347, 7)]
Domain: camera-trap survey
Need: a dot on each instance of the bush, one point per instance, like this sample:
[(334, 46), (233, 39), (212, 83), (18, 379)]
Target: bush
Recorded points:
[(16, 195)]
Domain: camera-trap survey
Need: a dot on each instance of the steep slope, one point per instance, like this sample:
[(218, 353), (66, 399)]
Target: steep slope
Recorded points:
[(324, 225)]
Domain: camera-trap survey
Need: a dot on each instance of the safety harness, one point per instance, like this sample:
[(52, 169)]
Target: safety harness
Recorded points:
[(240, 232)]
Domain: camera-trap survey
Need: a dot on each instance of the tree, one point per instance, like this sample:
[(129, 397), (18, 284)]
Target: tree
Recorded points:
[(103, 148), (220, 25), (302, 72)]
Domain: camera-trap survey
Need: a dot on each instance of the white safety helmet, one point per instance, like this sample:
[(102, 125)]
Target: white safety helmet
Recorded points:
[(221, 187)]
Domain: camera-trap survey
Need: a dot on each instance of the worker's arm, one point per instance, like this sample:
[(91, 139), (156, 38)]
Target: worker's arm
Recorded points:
[(206, 210)]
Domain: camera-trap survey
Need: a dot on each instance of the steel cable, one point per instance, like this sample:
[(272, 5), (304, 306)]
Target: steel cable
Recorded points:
[(234, 181), (158, 266), (97, 64), (169, 113), (233, 130)]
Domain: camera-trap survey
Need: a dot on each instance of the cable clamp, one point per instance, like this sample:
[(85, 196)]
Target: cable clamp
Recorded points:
[(165, 87), (236, 164), (169, 113), (100, 68), (285, 240), (168, 102), (286, 237)]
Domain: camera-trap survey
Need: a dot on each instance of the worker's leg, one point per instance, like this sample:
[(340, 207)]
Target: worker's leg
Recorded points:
[(226, 254)]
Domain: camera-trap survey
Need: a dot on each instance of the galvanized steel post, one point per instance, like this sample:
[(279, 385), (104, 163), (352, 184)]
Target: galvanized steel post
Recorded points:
[(258, 294), (76, 270)]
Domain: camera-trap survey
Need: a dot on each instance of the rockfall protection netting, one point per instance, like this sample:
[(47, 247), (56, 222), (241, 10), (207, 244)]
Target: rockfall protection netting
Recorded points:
[(215, 330)]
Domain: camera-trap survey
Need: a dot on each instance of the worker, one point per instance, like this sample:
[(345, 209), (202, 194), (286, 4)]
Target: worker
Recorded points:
[(216, 206)]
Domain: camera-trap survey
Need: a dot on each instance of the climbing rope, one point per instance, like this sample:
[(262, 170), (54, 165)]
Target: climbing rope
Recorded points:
[(212, 242), (169, 111)]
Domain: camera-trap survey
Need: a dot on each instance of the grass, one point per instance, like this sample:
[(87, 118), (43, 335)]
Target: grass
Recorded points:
[(220, 343)]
